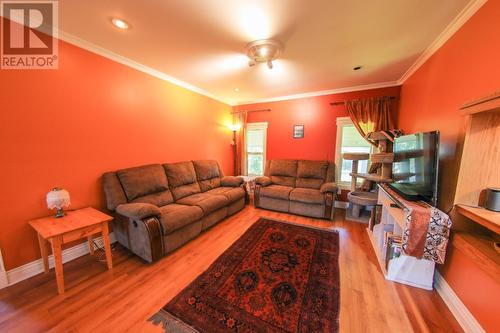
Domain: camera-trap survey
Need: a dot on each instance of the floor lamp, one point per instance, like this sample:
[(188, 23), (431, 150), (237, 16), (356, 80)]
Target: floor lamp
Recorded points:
[(235, 128)]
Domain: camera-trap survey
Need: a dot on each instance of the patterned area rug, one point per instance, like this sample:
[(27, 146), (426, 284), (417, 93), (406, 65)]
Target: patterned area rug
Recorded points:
[(278, 277)]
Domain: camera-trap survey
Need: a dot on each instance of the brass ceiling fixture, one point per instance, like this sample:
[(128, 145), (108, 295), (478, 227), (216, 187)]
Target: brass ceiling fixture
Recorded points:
[(263, 51)]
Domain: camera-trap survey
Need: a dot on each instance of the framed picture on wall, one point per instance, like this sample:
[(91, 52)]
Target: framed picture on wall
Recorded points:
[(298, 131)]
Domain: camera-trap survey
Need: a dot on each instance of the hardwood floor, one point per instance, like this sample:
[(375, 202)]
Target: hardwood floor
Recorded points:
[(97, 300)]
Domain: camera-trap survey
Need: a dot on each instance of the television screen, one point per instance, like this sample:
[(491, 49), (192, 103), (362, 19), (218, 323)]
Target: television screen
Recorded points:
[(415, 168)]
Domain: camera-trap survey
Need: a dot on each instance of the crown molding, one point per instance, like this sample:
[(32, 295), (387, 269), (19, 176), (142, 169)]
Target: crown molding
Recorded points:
[(323, 92), (446, 34), (86, 45)]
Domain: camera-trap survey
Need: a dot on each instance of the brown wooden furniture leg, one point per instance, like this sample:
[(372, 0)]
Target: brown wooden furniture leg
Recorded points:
[(57, 253), (43, 250), (107, 247), (91, 244)]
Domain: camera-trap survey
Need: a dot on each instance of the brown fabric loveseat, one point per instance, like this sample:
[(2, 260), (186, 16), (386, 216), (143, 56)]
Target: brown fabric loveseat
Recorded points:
[(158, 208), (298, 187)]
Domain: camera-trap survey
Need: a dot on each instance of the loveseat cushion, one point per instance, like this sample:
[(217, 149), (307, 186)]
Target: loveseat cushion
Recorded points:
[(231, 193), (208, 174), (142, 180), (283, 172), (311, 174), (307, 195), (207, 202), (182, 179), (175, 216), (276, 192)]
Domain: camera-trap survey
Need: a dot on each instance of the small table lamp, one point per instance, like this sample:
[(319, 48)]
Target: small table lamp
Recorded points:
[(58, 199)]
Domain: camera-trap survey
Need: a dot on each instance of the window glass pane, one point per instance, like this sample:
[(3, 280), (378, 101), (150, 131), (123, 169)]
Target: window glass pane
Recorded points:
[(353, 142), (255, 141), (255, 164)]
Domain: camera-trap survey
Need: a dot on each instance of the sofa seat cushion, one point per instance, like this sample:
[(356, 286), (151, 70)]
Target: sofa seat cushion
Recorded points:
[(307, 195), (232, 194), (276, 192), (175, 216), (207, 202)]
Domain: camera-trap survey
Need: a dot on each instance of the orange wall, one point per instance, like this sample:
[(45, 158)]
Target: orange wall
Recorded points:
[(318, 118), (66, 127), (466, 67)]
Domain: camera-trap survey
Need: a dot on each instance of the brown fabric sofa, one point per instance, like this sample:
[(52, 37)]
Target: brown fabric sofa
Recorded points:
[(158, 208), (298, 187)]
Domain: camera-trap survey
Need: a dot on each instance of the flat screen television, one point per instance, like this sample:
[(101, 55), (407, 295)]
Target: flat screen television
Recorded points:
[(415, 168)]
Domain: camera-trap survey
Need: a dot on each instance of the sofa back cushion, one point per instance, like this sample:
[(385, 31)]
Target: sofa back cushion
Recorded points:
[(282, 172), (144, 180), (311, 174), (113, 190), (208, 174), (182, 179)]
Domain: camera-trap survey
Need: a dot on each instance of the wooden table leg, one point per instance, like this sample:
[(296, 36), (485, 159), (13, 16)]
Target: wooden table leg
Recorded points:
[(43, 250), (57, 253), (107, 247), (91, 244)]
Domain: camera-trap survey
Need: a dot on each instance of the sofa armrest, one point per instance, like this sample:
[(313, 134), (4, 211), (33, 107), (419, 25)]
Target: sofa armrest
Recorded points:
[(329, 187), (138, 211), (231, 181), (263, 181)]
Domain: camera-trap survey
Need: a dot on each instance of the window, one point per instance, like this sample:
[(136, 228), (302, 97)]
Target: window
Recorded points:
[(349, 141), (255, 152)]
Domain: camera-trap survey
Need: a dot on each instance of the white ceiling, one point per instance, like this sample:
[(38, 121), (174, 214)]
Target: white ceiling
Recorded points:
[(202, 42)]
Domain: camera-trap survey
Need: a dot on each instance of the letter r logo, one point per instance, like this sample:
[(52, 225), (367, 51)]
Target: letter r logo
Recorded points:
[(27, 27)]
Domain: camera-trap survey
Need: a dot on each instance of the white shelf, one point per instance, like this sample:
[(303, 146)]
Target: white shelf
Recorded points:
[(403, 269)]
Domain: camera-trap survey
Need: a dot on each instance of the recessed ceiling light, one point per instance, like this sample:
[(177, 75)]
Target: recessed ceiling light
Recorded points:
[(357, 68), (121, 24), (236, 89)]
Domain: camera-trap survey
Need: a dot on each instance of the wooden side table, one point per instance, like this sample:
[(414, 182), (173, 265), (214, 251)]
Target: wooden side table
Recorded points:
[(77, 224)]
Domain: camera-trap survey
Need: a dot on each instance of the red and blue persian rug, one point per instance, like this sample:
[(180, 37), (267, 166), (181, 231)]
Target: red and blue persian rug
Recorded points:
[(277, 277)]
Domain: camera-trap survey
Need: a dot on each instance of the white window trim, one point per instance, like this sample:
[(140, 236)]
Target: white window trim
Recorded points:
[(255, 126), (341, 121)]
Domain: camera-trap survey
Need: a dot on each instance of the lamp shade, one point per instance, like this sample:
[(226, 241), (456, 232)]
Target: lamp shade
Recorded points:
[(58, 198)]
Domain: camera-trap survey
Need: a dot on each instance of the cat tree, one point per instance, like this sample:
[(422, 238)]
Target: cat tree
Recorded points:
[(363, 199)]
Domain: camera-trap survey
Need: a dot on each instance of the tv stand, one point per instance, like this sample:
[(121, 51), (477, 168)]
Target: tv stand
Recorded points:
[(403, 269)]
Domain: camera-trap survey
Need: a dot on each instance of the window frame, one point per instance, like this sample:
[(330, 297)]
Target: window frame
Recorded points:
[(341, 122), (255, 126)]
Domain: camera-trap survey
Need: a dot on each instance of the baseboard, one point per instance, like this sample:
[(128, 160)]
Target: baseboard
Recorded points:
[(33, 268), (457, 308), (341, 204)]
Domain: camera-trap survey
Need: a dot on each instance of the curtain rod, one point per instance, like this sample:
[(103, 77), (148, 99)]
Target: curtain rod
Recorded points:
[(340, 103), (259, 110)]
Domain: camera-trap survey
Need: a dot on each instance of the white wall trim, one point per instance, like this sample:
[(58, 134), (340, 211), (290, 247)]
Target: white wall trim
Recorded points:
[(446, 34), (3, 274), (323, 92), (33, 268), (457, 308), (84, 44)]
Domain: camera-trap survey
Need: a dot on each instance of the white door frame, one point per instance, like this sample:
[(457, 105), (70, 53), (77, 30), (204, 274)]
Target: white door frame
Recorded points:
[(3, 274)]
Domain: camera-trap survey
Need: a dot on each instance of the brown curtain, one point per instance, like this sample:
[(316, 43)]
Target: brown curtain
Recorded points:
[(370, 115), (241, 119)]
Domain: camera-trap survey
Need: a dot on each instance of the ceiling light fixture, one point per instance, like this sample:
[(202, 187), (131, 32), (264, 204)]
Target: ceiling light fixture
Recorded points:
[(236, 89), (121, 24), (263, 51)]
